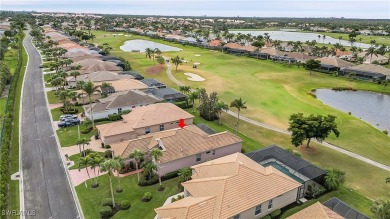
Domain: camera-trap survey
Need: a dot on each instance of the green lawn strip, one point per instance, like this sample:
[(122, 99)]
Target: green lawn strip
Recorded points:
[(352, 198), (10, 59), (52, 98), (56, 112), (68, 136), (90, 198), (14, 185), (47, 78), (75, 159), (273, 91)]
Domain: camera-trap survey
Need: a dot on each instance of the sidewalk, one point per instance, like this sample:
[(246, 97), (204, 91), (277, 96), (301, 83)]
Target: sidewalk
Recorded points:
[(78, 177), (94, 145)]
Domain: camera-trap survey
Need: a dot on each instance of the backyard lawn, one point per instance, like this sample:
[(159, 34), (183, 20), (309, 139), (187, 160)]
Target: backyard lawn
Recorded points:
[(52, 98), (273, 91), (56, 113), (361, 177), (90, 198)]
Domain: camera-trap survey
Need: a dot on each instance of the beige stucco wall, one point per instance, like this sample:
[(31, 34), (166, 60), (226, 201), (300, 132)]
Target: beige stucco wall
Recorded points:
[(191, 160), (277, 203), (141, 131)]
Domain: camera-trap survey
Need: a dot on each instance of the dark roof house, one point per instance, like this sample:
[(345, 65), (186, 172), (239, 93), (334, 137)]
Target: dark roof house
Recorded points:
[(167, 94), (153, 83)]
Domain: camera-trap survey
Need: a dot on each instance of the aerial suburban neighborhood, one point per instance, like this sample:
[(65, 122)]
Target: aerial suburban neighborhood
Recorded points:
[(191, 109)]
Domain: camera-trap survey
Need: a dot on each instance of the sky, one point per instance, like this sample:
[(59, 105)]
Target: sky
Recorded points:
[(375, 9)]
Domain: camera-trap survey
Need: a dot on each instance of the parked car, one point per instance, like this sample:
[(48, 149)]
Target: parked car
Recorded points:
[(68, 116), (69, 122)]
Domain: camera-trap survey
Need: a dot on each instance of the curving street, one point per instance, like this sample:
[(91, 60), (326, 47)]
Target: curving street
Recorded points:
[(46, 189)]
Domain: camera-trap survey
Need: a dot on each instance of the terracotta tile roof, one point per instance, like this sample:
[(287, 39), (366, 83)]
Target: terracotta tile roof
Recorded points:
[(215, 43), (80, 55), (341, 53), (93, 65), (377, 57), (272, 51), (100, 76), (317, 211), (145, 116), (235, 181), (179, 143), (335, 61), (232, 45), (126, 84), (372, 68), (189, 207), (127, 99)]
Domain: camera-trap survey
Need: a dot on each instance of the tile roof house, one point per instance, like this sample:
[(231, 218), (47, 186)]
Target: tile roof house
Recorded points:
[(125, 84), (92, 65), (98, 76), (181, 147), (370, 72), (335, 62), (316, 210), (233, 186), (374, 58), (118, 102), (144, 120)]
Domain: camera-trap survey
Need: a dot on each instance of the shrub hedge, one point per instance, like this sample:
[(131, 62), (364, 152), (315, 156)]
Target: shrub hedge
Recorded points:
[(125, 205), (105, 212), (8, 127), (106, 202)]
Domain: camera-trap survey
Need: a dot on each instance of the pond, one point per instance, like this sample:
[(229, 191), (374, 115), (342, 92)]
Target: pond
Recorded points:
[(141, 45), (373, 108), (299, 36)]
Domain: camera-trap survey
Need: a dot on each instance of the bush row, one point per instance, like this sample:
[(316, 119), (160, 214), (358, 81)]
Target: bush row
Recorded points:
[(7, 130)]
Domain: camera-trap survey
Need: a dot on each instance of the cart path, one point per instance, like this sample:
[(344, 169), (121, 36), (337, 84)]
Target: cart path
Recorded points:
[(283, 131)]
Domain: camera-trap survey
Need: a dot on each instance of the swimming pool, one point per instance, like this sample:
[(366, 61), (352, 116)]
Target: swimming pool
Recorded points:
[(283, 170)]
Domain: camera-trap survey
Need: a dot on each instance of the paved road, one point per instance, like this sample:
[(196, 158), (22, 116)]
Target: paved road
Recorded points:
[(45, 183), (283, 131)]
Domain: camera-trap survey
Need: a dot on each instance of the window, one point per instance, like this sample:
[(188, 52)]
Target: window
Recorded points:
[(119, 110), (147, 130), (236, 216), (208, 152), (133, 107), (258, 210), (213, 152), (198, 157), (270, 204), (162, 128)]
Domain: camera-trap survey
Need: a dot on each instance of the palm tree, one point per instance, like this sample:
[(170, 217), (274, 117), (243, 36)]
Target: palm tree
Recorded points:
[(157, 52), (110, 166), (334, 178), (63, 75), (219, 107), (194, 95), (185, 89), (381, 209), (88, 89), (83, 163), (118, 167), (323, 39), (340, 38), (176, 61), (185, 174), (371, 51), (65, 96), (137, 155), (156, 153), (148, 53), (56, 82), (82, 141), (95, 162), (239, 104), (75, 74)]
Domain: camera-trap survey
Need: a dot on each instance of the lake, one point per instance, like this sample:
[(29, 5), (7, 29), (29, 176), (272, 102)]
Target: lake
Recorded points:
[(298, 36), (371, 107), (141, 45)]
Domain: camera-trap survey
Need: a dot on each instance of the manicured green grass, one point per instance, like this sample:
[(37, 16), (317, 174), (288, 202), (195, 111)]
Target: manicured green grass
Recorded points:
[(56, 113), (47, 78), (75, 159), (273, 91), (68, 136), (352, 198), (11, 60), (90, 198), (14, 202), (52, 98), (365, 39)]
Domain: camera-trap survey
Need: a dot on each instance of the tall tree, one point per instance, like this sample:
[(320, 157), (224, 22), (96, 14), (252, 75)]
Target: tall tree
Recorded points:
[(176, 61), (371, 51), (156, 154), (312, 64), (137, 155), (220, 107), (312, 126), (81, 143), (109, 166), (185, 174), (84, 162), (238, 104), (118, 165), (88, 89), (95, 162), (194, 95)]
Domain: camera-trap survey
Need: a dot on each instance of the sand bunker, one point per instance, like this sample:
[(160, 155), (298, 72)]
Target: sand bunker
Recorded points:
[(196, 63), (117, 34), (197, 55), (194, 77)]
